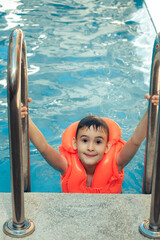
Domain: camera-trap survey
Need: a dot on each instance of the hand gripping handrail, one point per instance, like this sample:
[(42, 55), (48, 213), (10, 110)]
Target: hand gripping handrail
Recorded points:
[(18, 226), (151, 227)]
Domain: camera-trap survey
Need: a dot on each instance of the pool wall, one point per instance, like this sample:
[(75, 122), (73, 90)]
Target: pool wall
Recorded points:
[(81, 216)]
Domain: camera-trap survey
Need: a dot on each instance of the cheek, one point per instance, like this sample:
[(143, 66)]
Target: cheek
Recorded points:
[(102, 150), (80, 155), (81, 146)]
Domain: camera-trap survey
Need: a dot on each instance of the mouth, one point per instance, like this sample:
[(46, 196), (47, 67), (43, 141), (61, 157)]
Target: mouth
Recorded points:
[(90, 155)]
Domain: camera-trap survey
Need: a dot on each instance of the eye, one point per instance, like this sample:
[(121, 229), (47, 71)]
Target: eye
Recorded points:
[(84, 140), (98, 141)]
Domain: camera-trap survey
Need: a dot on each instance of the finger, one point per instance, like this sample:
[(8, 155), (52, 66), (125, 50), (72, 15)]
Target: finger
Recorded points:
[(147, 96), (155, 97), (155, 102), (24, 114), (24, 109), (29, 99)]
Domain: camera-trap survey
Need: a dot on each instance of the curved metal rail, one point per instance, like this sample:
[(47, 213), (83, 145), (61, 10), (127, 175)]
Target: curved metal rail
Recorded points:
[(152, 119), (151, 227), (18, 132)]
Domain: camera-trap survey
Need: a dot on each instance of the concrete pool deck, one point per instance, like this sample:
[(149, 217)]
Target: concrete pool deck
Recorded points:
[(81, 216)]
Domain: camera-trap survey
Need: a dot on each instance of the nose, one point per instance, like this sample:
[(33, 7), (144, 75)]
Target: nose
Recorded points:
[(91, 146)]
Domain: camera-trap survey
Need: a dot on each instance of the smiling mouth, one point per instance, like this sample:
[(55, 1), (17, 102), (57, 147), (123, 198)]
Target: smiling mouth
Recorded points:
[(90, 156)]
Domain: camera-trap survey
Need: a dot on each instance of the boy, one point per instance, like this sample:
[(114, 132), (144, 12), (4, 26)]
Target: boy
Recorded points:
[(89, 146)]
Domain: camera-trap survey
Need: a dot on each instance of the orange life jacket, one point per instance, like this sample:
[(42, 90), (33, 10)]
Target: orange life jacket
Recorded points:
[(106, 179)]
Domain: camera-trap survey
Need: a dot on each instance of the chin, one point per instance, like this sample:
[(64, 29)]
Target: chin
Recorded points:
[(91, 163)]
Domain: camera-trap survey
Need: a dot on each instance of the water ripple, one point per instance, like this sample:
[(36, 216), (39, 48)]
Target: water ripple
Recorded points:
[(84, 57)]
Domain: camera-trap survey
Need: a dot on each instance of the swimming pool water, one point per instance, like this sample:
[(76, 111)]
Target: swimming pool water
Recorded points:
[(84, 57)]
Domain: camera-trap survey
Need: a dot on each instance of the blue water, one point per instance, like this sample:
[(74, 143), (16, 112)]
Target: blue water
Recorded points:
[(84, 57)]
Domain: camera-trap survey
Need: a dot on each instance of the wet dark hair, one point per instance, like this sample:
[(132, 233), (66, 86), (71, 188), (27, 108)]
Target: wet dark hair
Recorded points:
[(96, 122)]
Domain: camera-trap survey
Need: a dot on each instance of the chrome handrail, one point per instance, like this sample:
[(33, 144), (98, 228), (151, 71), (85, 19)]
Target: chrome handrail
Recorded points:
[(152, 119), (151, 227), (18, 132), (25, 136)]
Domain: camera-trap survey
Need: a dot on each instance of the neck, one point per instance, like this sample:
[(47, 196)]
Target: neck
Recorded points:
[(90, 169)]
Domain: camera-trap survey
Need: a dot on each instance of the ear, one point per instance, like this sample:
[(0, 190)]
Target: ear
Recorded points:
[(74, 143), (108, 147)]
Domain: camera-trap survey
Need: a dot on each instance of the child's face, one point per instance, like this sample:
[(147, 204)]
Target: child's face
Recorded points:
[(91, 145)]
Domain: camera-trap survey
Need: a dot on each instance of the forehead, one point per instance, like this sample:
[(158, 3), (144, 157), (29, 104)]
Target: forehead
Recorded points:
[(92, 131)]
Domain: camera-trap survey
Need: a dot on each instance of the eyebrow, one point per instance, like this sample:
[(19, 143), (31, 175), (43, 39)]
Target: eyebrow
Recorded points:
[(83, 136), (100, 137), (95, 137)]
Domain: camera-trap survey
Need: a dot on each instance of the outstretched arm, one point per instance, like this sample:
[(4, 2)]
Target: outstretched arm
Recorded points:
[(48, 152), (133, 144)]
